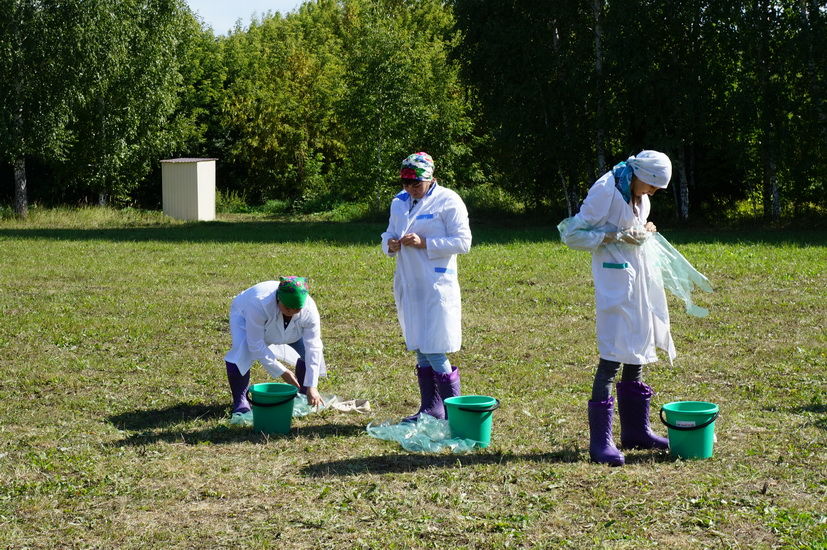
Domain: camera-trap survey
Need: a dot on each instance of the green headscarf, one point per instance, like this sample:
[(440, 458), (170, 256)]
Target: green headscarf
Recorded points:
[(292, 292)]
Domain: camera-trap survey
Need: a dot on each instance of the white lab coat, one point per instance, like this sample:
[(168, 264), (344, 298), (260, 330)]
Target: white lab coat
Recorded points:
[(425, 284), (257, 329), (632, 314)]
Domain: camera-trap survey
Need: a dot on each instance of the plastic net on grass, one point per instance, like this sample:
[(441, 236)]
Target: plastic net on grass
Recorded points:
[(302, 408), (426, 435)]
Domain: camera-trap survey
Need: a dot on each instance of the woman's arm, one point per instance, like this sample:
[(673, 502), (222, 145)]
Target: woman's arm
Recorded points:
[(313, 355), (585, 230), (390, 239), (457, 239)]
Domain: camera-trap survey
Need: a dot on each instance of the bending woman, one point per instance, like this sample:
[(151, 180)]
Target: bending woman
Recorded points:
[(263, 316)]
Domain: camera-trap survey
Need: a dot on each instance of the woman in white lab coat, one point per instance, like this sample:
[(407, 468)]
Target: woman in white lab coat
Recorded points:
[(271, 322), (632, 316), (428, 227)]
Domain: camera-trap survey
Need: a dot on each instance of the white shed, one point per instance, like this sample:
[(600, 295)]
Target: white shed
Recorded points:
[(188, 188)]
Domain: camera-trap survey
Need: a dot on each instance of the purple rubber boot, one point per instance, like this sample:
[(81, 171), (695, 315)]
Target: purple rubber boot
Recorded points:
[(238, 386), (300, 371), (447, 384), (601, 443), (633, 405), (431, 403)]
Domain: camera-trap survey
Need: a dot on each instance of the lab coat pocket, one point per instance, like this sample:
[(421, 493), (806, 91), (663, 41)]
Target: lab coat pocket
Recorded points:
[(613, 283), (444, 331), (445, 282)]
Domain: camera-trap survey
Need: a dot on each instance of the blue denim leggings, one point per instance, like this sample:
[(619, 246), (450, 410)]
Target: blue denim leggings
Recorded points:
[(437, 361), (298, 345)]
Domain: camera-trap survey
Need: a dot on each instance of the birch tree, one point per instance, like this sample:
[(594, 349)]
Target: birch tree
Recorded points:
[(126, 122), (41, 46)]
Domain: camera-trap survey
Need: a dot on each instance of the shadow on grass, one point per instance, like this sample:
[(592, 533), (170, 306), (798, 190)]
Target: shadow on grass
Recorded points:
[(159, 418), (367, 233), (216, 232), (818, 409), (402, 463), (342, 233), (226, 434), (165, 425)]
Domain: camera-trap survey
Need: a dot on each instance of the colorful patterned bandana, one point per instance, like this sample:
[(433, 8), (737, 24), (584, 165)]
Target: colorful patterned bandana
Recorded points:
[(292, 292), (419, 166)]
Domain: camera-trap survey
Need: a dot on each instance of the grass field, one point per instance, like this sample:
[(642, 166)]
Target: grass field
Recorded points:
[(113, 426)]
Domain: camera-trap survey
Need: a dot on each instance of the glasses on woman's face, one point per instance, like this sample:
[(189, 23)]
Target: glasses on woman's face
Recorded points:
[(413, 184)]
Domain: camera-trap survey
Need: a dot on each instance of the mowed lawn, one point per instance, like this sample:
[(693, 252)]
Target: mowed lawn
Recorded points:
[(113, 430)]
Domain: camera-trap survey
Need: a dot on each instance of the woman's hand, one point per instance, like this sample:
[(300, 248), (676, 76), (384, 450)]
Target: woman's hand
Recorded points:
[(313, 397), (290, 378), (634, 235), (650, 227), (414, 240), (394, 245)]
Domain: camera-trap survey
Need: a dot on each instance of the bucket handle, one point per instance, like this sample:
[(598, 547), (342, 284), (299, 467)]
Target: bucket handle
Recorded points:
[(276, 404), (687, 428), (490, 408)]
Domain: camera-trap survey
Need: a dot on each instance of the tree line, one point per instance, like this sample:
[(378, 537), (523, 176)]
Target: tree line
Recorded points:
[(318, 106)]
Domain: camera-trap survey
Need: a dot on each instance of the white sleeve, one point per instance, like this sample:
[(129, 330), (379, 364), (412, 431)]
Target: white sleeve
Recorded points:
[(584, 230), (389, 233), (255, 318), (457, 239), (313, 348)]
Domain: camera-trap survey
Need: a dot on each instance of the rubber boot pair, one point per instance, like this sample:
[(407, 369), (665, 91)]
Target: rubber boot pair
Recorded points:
[(633, 400), (434, 388)]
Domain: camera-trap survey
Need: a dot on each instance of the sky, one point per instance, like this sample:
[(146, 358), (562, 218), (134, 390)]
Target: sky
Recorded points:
[(221, 15)]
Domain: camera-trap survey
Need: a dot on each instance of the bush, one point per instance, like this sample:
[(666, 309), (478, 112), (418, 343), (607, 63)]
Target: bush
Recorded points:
[(231, 202), (6, 212), (274, 206), (486, 198)]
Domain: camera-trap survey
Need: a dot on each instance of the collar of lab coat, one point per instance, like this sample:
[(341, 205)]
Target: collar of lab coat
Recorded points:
[(405, 196)]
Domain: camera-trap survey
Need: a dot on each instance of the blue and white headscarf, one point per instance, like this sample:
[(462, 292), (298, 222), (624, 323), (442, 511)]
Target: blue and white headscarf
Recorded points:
[(623, 179), (652, 167)]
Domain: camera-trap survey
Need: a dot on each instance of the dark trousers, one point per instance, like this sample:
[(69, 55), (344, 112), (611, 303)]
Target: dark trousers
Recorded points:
[(605, 375)]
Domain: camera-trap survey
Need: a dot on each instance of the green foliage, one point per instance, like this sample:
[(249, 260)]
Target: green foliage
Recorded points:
[(233, 202), (203, 73), (487, 198), (734, 92), (531, 66), (40, 46), (284, 76), (404, 94), (227, 202), (95, 88), (6, 212), (321, 106), (126, 124), (318, 107)]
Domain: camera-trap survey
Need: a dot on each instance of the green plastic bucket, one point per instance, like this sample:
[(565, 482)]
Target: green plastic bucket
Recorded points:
[(691, 427), (272, 406), (469, 417)]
